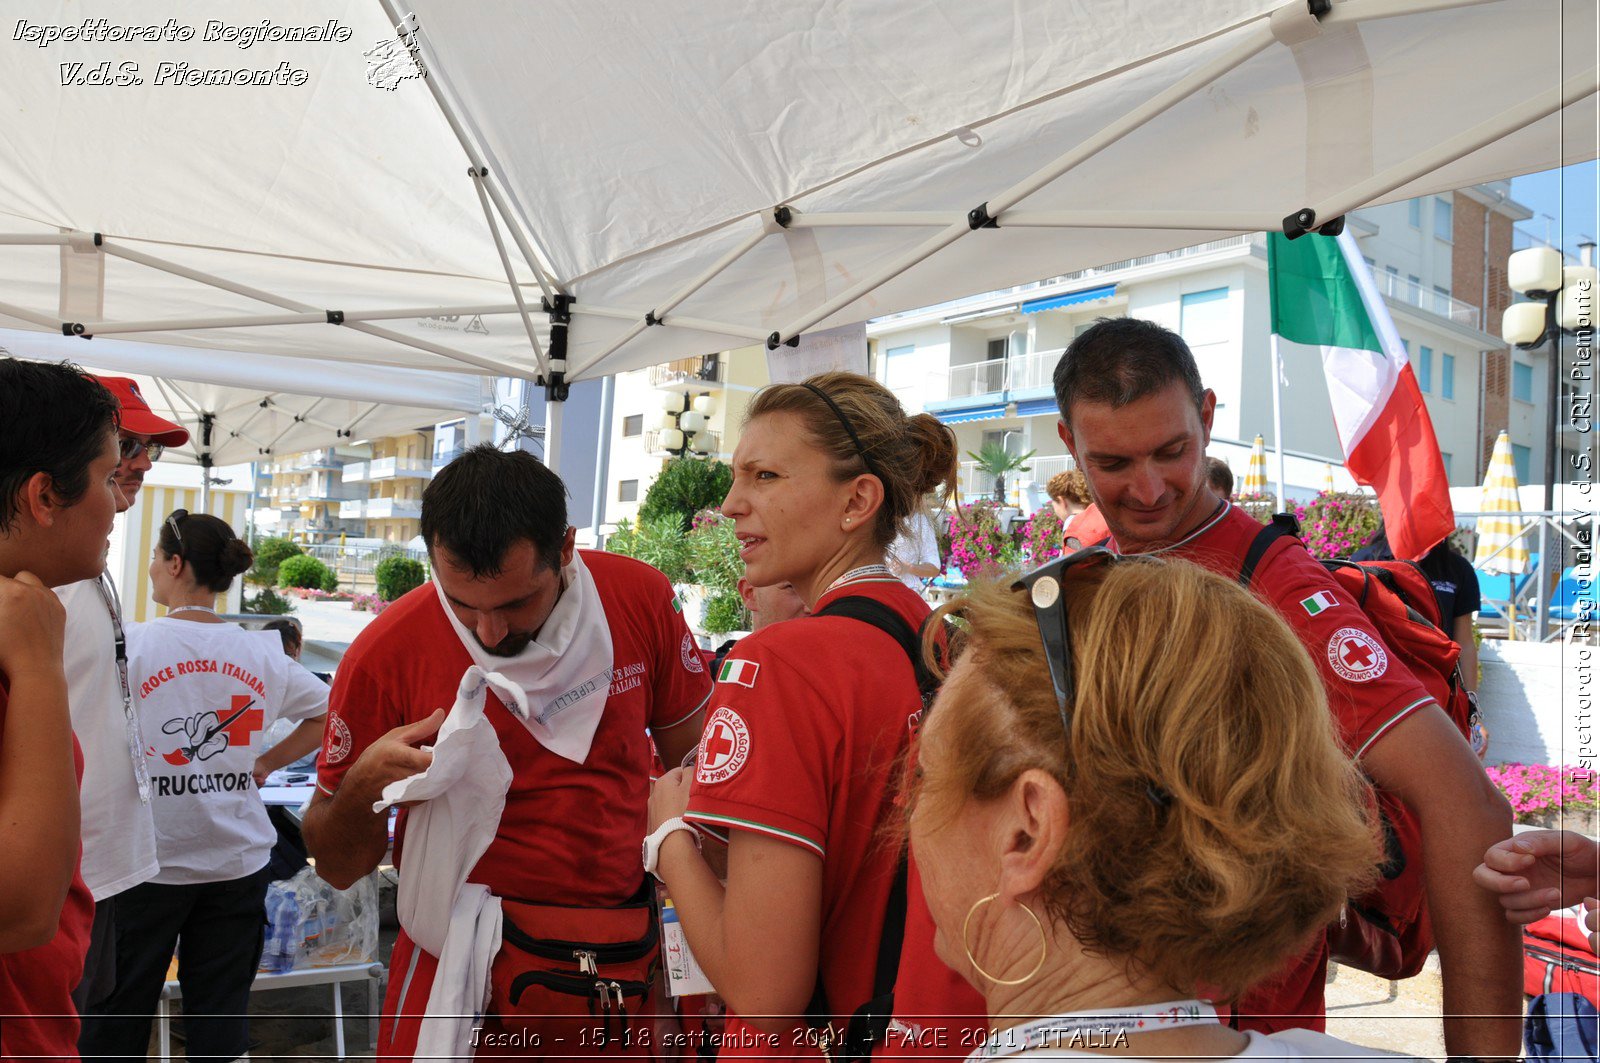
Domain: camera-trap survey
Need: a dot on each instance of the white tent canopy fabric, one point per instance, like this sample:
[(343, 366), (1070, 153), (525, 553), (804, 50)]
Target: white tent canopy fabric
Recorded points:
[(255, 409), (635, 157)]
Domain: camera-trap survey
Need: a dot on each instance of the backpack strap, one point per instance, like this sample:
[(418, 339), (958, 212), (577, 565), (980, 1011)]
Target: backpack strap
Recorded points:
[(1282, 526), (867, 1025), (871, 611)]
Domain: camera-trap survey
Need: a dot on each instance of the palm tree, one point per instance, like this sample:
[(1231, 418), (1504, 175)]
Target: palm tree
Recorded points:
[(994, 459)]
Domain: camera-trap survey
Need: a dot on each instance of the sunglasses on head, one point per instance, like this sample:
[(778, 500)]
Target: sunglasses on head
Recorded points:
[(131, 448), (1044, 589)]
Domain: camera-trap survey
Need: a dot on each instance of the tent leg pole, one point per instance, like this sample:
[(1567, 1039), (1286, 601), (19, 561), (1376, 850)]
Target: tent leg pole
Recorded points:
[(552, 435), (602, 463), (1277, 415)]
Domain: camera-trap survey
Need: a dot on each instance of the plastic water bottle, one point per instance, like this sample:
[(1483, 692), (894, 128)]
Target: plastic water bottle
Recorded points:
[(283, 938)]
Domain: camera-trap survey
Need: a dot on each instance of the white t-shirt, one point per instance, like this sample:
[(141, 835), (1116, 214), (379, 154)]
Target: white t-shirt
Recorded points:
[(1263, 1048), (119, 834), (917, 545), (206, 694)]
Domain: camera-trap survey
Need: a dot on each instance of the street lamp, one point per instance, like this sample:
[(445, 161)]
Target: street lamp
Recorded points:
[(1561, 300)]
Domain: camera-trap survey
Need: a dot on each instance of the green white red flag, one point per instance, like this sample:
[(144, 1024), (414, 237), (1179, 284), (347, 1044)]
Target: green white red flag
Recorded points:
[(1325, 304)]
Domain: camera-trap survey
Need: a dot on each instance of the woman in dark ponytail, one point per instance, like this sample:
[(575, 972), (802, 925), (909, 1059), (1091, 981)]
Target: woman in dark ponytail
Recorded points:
[(207, 691)]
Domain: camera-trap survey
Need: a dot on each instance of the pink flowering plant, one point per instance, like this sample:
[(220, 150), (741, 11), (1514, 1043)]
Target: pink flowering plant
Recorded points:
[(368, 603), (1541, 793), (976, 542), (1336, 524), (1333, 524), (1041, 537)]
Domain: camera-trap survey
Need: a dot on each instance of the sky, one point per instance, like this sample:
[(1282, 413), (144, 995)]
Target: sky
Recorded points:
[(1563, 201)]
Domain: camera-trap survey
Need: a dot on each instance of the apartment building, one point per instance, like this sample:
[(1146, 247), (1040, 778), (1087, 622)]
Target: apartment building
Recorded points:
[(691, 406), (983, 364), (392, 479), (301, 496)]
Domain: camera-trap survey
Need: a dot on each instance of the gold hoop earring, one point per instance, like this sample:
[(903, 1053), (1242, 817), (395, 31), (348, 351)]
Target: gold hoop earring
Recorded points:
[(1044, 943)]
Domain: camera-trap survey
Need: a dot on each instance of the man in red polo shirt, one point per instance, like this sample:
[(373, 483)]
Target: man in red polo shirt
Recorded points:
[(605, 660), (1137, 419)]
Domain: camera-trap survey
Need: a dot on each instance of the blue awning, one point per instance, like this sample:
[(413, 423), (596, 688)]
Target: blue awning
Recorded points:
[(975, 413), (1034, 407), (1056, 302)]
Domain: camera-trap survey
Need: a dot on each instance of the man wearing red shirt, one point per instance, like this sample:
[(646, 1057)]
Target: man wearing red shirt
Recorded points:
[(57, 457), (511, 594), (1137, 419)]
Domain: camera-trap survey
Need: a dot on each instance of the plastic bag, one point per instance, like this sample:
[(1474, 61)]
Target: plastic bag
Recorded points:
[(311, 924)]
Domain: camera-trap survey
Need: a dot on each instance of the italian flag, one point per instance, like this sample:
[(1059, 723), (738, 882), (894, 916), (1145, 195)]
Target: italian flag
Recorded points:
[(741, 672), (1324, 304)]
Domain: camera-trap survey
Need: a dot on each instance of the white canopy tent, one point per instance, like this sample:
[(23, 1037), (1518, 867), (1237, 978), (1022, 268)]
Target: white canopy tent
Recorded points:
[(245, 408), (673, 180)]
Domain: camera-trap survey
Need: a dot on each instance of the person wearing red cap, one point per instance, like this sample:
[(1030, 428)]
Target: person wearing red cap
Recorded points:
[(119, 841)]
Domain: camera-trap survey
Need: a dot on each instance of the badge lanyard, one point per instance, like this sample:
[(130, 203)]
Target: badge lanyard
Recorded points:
[(1057, 1031), (134, 734)]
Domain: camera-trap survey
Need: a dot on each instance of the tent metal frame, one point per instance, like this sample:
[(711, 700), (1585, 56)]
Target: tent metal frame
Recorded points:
[(1290, 24)]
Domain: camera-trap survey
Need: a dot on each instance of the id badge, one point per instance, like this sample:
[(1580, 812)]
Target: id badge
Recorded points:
[(684, 976)]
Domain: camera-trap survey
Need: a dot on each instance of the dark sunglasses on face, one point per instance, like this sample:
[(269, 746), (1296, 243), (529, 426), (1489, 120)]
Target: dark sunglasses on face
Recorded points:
[(132, 448)]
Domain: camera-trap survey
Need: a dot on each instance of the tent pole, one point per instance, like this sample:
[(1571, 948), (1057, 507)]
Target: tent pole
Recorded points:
[(439, 88), (313, 317), (1258, 38), (1460, 146), (1277, 415), (552, 434), (206, 422), (505, 261), (602, 465), (489, 364), (12, 310), (1047, 219)]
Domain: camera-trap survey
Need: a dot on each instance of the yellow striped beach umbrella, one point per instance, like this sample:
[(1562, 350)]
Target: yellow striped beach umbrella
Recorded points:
[(1501, 545), (1255, 474)]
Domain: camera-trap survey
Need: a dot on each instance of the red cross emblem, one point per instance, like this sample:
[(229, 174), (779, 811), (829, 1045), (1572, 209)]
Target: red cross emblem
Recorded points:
[(1356, 655), (723, 748)]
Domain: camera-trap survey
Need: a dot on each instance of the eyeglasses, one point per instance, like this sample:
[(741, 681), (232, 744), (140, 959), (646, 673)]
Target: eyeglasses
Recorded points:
[(132, 448), (172, 522), (1043, 585)]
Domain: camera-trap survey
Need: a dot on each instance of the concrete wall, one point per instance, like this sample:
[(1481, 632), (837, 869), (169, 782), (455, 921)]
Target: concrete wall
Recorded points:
[(1537, 701)]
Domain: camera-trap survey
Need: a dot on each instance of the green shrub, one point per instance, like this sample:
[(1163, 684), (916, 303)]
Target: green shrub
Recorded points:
[(398, 575), (725, 612), (660, 542), (714, 558), (684, 488), (269, 602), (306, 572), (270, 553)]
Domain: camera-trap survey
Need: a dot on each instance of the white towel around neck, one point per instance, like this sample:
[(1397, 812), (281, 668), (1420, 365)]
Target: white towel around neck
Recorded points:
[(565, 672)]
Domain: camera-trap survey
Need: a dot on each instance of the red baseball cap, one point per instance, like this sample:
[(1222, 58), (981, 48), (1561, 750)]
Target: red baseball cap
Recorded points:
[(136, 415)]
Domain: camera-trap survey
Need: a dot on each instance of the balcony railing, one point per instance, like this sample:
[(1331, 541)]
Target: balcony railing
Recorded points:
[(392, 509), (355, 472), (325, 458), (397, 468), (979, 378), (1403, 290), (707, 442), (975, 483), (687, 371), (1029, 371)]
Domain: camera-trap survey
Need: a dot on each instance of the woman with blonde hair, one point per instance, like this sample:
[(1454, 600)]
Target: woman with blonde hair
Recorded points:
[(1131, 799), (809, 722)]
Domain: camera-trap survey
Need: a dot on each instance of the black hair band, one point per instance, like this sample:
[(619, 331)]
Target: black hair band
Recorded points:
[(872, 466)]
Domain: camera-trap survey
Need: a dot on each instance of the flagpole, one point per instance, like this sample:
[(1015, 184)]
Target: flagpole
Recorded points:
[(1277, 415)]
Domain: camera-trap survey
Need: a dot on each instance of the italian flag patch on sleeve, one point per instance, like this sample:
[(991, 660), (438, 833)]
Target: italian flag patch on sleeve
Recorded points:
[(741, 672), (1318, 602)]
